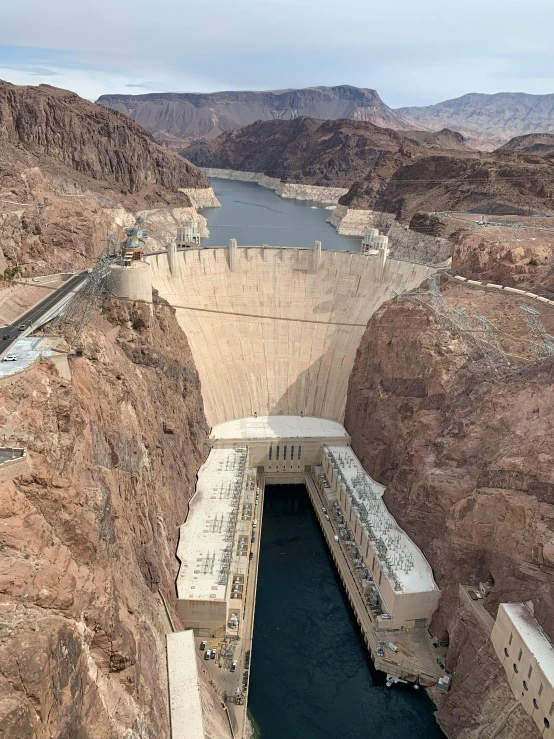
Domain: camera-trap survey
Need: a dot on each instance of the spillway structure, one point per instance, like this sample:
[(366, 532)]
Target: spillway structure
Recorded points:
[(274, 333)]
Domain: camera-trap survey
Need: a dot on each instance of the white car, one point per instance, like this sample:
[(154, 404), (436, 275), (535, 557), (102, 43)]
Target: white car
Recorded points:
[(10, 358), (234, 665)]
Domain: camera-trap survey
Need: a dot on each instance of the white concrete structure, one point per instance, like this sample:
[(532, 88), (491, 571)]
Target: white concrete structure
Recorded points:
[(133, 281), (211, 544), (527, 655), (185, 704), (188, 235), (214, 541), (268, 335), (280, 444), (402, 576), (367, 241)]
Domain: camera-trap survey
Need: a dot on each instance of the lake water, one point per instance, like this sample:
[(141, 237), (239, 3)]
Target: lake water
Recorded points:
[(311, 676), (254, 215)]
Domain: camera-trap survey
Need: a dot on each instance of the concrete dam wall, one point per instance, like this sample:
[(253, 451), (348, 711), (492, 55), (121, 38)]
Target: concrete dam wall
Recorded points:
[(275, 331)]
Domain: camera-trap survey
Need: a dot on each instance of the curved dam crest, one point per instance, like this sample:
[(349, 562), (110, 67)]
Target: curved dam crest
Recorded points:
[(275, 331)]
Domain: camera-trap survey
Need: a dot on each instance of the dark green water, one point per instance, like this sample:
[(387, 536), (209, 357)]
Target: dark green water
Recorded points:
[(311, 677), (254, 215)]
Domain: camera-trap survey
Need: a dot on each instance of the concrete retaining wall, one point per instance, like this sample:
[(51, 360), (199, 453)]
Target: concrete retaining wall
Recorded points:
[(14, 468)]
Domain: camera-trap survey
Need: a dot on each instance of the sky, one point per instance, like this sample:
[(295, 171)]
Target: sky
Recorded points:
[(412, 53)]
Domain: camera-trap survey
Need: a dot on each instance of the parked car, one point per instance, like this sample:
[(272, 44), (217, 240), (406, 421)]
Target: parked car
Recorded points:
[(10, 358), (251, 555), (234, 665), (208, 654), (203, 646), (214, 652)]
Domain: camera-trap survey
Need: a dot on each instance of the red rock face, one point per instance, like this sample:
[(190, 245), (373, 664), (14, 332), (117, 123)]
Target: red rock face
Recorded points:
[(495, 257), (89, 139), (468, 464), (89, 538)]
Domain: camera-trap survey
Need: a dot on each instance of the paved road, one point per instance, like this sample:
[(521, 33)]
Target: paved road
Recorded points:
[(10, 334)]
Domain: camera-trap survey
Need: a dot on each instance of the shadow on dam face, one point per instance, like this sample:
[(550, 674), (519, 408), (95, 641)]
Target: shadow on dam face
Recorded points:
[(271, 336), (311, 675)]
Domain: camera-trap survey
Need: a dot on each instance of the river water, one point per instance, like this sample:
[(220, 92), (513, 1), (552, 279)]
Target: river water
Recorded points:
[(254, 215), (311, 676)]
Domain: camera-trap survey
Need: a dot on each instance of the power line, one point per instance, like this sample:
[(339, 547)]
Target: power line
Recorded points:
[(213, 310)]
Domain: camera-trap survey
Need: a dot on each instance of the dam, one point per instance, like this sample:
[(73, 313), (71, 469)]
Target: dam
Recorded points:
[(274, 333)]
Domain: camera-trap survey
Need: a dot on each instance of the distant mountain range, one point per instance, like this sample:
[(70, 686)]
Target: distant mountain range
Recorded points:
[(176, 118), (487, 121)]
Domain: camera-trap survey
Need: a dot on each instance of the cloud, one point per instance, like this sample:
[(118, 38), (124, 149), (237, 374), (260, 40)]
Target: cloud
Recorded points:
[(35, 71), (412, 53)]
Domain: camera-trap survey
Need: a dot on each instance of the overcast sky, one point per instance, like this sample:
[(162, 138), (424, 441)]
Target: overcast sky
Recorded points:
[(412, 52)]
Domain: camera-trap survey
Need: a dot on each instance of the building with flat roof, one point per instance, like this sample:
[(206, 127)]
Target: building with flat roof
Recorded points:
[(215, 540), (527, 655), (280, 444), (397, 572), (185, 705), (213, 544)]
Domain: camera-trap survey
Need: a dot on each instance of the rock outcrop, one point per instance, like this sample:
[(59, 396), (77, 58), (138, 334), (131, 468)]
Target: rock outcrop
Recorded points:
[(468, 465), (315, 152), (78, 162), (101, 145), (524, 263), (88, 539), (487, 120), (174, 118), (494, 184)]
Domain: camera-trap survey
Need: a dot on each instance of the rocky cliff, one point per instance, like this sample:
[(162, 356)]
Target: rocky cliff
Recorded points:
[(492, 256), (102, 145), (88, 539), (80, 162), (492, 184), (176, 117), (315, 152), (487, 120), (468, 465)]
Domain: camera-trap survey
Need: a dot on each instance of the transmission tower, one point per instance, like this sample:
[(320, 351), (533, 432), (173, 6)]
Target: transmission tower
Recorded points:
[(100, 280), (490, 344), (545, 343)]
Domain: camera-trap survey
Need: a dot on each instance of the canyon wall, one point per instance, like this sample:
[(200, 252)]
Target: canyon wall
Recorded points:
[(88, 537), (66, 165), (466, 456)]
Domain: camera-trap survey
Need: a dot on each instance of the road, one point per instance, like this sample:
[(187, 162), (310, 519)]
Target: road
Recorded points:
[(10, 334)]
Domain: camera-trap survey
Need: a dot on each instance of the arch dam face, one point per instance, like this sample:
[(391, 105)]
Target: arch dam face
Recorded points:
[(277, 333)]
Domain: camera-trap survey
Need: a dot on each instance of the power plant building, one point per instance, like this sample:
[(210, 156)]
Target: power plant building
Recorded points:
[(527, 655), (398, 571), (215, 540)]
